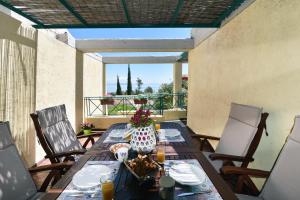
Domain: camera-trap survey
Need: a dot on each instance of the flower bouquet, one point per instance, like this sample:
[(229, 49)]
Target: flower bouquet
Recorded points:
[(143, 137)]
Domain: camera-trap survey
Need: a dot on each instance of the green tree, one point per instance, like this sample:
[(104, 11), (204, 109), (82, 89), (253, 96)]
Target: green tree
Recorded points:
[(119, 89), (184, 85), (166, 88), (129, 85), (139, 86), (148, 90)]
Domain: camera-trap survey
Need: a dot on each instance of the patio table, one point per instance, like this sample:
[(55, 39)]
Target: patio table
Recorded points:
[(126, 187)]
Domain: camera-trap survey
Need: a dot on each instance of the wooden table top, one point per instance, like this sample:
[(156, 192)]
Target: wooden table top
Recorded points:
[(125, 186)]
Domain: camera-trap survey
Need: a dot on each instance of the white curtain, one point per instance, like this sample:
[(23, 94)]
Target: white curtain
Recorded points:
[(17, 86)]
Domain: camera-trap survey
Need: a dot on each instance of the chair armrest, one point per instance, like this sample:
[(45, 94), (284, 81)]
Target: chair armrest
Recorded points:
[(218, 156), (205, 137), (94, 134), (65, 154), (55, 166), (245, 171)]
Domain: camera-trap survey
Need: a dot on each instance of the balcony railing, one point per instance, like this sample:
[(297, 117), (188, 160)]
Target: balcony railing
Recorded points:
[(127, 104)]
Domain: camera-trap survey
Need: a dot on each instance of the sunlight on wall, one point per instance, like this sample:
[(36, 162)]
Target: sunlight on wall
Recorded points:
[(250, 61)]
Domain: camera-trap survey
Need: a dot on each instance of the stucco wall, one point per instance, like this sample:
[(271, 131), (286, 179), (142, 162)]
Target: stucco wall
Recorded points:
[(17, 82), (92, 75), (254, 59), (56, 77)]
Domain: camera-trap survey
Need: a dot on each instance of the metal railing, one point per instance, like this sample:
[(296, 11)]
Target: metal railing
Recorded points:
[(127, 104)]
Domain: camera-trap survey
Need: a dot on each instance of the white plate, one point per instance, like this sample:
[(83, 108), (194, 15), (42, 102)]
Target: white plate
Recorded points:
[(187, 174), (115, 147), (171, 133), (89, 177), (117, 133)]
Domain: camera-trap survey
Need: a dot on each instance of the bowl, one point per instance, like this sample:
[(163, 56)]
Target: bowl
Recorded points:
[(115, 147), (143, 168)]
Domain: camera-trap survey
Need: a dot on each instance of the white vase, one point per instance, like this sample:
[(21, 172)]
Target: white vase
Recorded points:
[(143, 139)]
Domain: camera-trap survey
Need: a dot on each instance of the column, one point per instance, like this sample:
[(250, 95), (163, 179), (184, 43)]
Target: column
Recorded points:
[(177, 81), (104, 107), (103, 79)]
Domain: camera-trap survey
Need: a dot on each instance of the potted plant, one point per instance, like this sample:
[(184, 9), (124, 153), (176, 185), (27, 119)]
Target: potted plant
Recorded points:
[(87, 128), (140, 100), (107, 101), (143, 137)]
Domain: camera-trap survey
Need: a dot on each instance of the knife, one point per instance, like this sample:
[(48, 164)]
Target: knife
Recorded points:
[(193, 193)]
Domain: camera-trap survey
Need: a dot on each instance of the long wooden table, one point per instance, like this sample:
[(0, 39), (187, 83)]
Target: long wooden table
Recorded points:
[(125, 186)]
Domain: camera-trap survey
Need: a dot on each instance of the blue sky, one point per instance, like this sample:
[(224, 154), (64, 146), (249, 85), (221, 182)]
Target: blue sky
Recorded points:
[(149, 73)]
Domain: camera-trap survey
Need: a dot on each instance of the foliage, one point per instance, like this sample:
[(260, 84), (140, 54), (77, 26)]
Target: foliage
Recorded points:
[(184, 85), (129, 85), (119, 89), (141, 118), (148, 90), (87, 126), (166, 88), (139, 86)]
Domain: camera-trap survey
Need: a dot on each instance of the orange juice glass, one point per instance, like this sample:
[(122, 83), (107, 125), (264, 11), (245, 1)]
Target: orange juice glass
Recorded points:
[(157, 126), (107, 190), (160, 154)]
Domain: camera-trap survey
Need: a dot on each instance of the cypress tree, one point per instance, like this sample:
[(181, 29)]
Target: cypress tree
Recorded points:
[(129, 85), (119, 89)]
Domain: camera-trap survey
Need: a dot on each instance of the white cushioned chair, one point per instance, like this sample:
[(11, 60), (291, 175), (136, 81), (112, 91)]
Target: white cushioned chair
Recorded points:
[(15, 180), (240, 137), (284, 180)]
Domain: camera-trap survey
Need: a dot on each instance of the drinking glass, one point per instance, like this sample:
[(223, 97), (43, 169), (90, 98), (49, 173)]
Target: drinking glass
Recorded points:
[(157, 126), (107, 187), (160, 154), (166, 188)]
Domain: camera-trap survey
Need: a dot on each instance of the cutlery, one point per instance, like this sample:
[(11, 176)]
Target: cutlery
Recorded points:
[(99, 163), (80, 194), (193, 193)]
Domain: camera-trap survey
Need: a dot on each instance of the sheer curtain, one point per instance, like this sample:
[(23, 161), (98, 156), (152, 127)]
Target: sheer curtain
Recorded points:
[(17, 85)]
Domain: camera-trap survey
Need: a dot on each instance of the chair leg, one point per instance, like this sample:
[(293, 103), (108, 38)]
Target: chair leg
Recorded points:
[(47, 180), (202, 143), (56, 177), (92, 140), (240, 184), (86, 142)]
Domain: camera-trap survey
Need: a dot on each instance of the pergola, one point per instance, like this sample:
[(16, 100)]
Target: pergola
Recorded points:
[(55, 14), (123, 13)]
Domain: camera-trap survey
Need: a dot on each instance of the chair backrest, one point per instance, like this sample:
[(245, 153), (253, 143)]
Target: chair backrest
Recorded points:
[(240, 129), (57, 129), (15, 180), (284, 180)]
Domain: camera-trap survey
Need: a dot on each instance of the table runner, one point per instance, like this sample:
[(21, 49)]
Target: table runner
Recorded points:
[(71, 193), (214, 195)]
